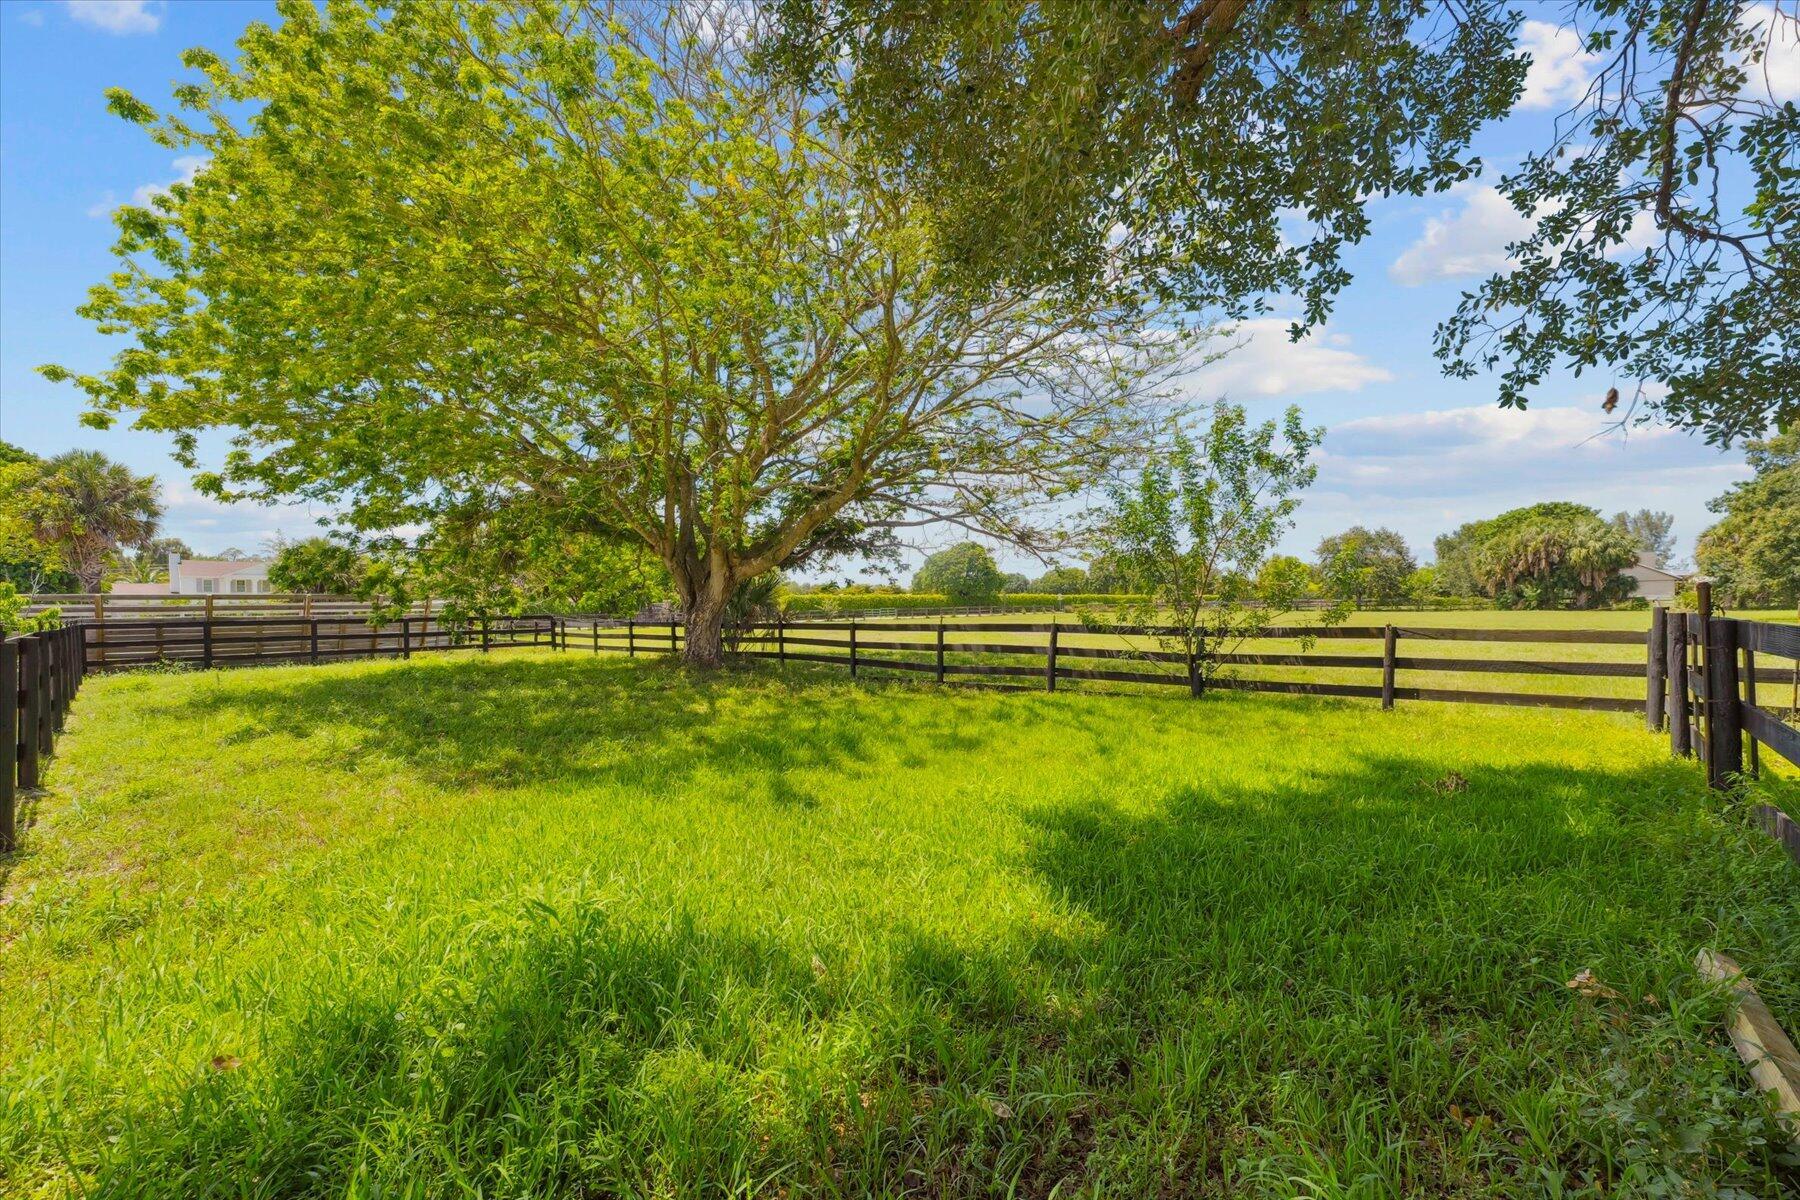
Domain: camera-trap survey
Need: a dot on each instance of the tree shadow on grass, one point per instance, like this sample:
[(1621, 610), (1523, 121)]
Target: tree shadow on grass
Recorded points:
[(504, 722), (1351, 983)]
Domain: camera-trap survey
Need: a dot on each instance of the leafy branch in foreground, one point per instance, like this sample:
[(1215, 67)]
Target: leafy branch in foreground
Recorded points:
[(1195, 532)]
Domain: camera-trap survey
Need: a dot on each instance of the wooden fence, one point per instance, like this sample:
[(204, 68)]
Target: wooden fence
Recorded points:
[(953, 651), (1710, 694), (250, 641), (39, 675), (100, 608)]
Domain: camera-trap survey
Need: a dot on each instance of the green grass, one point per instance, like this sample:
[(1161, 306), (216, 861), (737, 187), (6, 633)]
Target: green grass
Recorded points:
[(559, 925)]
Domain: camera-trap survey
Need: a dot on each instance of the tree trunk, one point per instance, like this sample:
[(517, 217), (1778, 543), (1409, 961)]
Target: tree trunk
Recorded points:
[(705, 644)]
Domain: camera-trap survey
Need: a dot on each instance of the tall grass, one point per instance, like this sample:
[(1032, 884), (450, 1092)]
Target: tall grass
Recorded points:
[(545, 925)]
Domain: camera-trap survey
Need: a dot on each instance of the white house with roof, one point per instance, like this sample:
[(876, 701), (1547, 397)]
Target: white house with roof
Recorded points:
[(1653, 582), (217, 576)]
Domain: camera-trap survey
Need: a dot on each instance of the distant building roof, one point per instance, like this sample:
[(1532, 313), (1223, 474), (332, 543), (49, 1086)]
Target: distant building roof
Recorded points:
[(121, 588), (218, 568)]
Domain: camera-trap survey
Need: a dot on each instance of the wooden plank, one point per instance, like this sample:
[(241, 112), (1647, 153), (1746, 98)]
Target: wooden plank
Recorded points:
[(1361, 690), (1781, 827), (1120, 652), (1765, 637), (991, 669), (1523, 699), (30, 699), (1763, 725), (1520, 666), (993, 648), (1118, 676), (1656, 669), (1603, 637), (1760, 1042), (9, 745)]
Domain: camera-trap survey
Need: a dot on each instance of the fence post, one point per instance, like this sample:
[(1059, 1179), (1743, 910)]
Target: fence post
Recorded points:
[(484, 635), (673, 648), (1656, 669), (31, 696), (9, 745), (1193, 666), (1389, 637), (206, 637), (853, 647), (780, 639), (1724, 721), (630, 638), (940, 650), (312, 640), (1050, 662), (405, 637), (1755, 761), (1679, 739)]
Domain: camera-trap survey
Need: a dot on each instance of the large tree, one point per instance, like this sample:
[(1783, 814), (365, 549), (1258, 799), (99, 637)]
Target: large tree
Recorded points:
[(1362, 564), (88, 508), (1551, 555), (1178, 134), (1654, 532), (446, 254), (964, 573), (1754, 549)]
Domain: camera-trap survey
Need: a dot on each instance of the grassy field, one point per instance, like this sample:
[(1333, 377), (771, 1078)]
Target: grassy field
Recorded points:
[(561, 925)]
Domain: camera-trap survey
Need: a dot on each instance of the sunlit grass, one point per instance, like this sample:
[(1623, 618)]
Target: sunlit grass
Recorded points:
[(554, 925)]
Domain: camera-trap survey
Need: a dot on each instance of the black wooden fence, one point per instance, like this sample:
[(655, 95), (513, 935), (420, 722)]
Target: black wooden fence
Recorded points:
[(39, 675), (1712, 670), (954, 650)]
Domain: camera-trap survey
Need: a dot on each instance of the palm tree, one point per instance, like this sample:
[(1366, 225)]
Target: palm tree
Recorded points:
[(88, 506)]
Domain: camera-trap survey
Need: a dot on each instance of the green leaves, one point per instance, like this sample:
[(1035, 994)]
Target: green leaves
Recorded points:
[(513, 256)]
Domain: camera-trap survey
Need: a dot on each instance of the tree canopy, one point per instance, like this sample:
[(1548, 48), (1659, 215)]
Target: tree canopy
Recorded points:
[(1550, 555), (1193, 534), (965, 573), (1754, 549), (317, 566), (1362, 564), (451, 256), (1654, 532), (1178, 135), (74, 512)]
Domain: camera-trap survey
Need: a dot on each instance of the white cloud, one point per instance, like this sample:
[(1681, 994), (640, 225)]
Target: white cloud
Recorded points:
[(122, 17), (1268, 364), (186, 166), (1560, 66), (1780, 67), (1471, 241), (1424, 473), (32, 17), (210, 526)]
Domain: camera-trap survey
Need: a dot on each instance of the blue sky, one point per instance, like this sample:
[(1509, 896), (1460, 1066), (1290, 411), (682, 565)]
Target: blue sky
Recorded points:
[(1407, 448)]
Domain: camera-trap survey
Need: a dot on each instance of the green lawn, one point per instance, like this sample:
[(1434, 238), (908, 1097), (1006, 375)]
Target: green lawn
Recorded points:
[(561, 925)]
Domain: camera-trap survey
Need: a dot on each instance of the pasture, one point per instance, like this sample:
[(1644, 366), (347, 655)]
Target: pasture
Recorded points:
[(551, 924)]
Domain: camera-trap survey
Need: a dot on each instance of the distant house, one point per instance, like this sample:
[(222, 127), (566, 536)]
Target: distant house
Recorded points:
[(216, 576), (1653, 583)]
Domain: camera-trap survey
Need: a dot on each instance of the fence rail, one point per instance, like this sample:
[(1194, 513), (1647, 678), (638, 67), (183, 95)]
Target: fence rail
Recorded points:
[(1701, 671), (1707, 671), (871, 647), (39, 676)]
